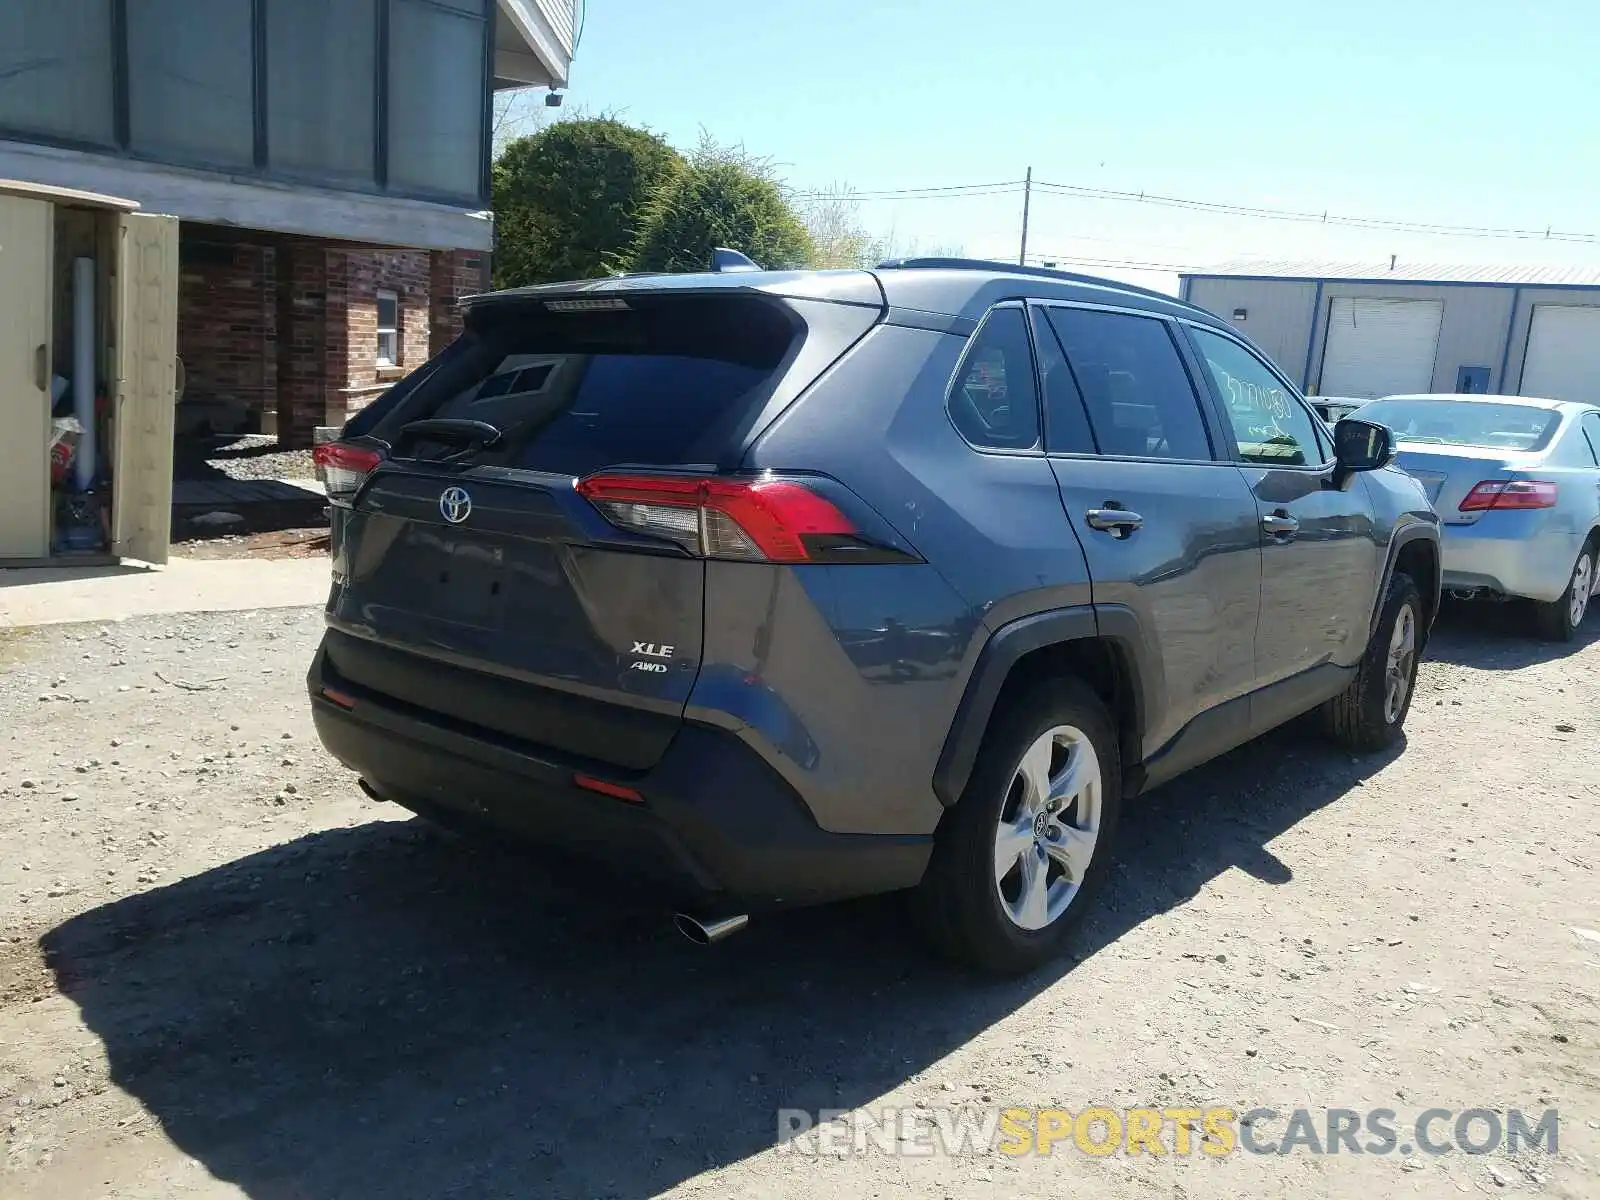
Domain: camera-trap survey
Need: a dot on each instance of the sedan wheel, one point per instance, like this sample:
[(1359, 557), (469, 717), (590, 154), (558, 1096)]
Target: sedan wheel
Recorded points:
[(1559, 619), (1048, 828), (1582, 587)]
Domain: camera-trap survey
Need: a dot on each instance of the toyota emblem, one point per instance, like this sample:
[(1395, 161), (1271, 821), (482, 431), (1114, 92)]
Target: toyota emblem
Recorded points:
[(455, 505)]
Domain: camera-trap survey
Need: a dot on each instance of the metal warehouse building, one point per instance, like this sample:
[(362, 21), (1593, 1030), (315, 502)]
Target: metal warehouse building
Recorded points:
[(1362, 332)]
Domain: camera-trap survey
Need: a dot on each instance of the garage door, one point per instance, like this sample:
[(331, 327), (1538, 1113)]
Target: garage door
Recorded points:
[(1380, 347), (1563, 360)]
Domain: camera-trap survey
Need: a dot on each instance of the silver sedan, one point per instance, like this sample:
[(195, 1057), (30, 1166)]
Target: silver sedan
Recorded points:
[(1516, 484)]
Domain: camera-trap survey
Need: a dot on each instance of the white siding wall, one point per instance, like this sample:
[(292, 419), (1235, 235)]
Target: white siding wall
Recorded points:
[(562, 15)]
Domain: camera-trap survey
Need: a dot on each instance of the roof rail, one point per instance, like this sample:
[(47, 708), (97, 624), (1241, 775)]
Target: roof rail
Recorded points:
[(981, 264)]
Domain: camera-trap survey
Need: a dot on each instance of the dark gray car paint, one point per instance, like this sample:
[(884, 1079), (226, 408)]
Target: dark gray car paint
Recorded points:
[(867, 687)]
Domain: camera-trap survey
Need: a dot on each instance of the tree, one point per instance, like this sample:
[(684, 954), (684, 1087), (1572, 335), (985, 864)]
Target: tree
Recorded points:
[(569, 201), (889, 246), (833, 220), (516, 115), (722, 198)]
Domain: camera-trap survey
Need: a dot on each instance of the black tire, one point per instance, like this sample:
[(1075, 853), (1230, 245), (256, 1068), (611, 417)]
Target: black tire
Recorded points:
[(1553, 619), (1358, 718), (958, 905)]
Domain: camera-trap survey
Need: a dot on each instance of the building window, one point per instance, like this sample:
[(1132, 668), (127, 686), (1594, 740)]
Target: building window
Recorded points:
[(437, 51), (191, 85), (321, 60), (388, 329), (55, 69)]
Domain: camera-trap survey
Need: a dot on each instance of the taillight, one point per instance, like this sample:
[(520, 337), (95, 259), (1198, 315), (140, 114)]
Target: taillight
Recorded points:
[(344, 466), (754, 520), (1509, 493)]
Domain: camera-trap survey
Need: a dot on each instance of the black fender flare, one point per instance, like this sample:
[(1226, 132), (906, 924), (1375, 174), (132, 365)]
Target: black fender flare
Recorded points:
[(1414, 532), (1007, 645)]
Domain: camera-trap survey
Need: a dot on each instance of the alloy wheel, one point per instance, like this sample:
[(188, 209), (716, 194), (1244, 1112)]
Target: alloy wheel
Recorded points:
[(1582, 587), (1048, 828), (1401, 664)]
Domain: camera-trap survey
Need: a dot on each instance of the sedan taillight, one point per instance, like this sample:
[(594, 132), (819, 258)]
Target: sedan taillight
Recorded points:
[(1501, 494), (344, 466)]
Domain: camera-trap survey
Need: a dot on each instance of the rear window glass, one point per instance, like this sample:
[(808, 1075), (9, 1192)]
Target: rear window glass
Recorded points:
[(671, 382), (1466, 423), (644, 408)]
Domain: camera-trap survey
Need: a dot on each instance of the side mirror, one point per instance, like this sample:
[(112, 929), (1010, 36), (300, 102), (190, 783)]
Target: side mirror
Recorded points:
[(1362, 445)]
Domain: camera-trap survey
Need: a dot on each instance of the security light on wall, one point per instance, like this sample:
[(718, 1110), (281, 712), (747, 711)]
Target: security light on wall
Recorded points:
[(1239, 314), (552, 99)]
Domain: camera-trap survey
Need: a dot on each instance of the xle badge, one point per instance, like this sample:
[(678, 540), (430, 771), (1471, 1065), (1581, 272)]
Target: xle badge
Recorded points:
[(651, 650)]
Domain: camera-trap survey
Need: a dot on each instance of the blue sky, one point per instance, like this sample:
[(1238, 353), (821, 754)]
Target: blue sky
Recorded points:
[(1473, 112)]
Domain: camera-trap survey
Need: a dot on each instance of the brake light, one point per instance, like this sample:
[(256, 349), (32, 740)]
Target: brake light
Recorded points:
[(1509, 493), (344, 466), (605, 787), (756, 520)]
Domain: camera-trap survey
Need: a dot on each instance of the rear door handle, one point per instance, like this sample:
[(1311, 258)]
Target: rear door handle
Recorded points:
[(1118, 522), (1280, 525)]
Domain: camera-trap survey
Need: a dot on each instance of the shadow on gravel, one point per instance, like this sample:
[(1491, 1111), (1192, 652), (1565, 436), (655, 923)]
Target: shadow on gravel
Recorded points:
[(380, 1011), (1499, 637)]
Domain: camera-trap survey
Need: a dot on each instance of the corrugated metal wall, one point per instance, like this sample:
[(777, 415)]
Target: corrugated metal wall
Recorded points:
[(1484, 326), (1522, 324), (1278, 315)]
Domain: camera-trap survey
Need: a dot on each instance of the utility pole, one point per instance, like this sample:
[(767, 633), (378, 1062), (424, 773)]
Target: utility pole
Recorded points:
[(1027, 203)]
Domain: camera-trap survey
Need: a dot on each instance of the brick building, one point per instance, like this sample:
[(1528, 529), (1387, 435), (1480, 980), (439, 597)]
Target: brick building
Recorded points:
[(329, 164), (353, 322)]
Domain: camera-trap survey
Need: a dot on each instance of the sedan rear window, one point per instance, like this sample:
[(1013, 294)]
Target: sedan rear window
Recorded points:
[(1466, 423)]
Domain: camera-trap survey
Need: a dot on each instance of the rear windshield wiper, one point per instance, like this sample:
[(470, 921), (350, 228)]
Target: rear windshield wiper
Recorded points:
[(468, 435)]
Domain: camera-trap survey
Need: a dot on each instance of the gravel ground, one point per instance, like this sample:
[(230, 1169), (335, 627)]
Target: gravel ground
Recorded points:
[(223, 972), (243, 456)]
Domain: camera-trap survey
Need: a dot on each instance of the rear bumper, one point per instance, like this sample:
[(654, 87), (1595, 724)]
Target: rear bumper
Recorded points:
[(717, 826), (1512, 553)]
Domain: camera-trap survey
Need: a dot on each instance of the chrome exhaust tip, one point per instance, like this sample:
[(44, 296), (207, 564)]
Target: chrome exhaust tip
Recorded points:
[(704, 933)]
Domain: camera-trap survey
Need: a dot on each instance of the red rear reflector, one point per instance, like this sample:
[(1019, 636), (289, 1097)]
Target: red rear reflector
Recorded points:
[(615, 790), (339, 698), (1509, 493), (762, 520)]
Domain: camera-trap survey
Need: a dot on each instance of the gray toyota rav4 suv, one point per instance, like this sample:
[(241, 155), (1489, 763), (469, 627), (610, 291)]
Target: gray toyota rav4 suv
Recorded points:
[(785, 587)]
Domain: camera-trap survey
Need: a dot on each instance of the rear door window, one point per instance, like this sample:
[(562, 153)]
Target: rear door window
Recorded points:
[(1066, 423), (1133, 384)]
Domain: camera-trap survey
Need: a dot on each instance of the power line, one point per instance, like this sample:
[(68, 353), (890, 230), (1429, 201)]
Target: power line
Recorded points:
[(1301, 216), (1316, 218), (952, 192), (1075, 260)]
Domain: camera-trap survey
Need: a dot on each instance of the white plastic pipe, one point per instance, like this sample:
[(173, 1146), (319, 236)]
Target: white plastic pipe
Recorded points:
[(83, 373)]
